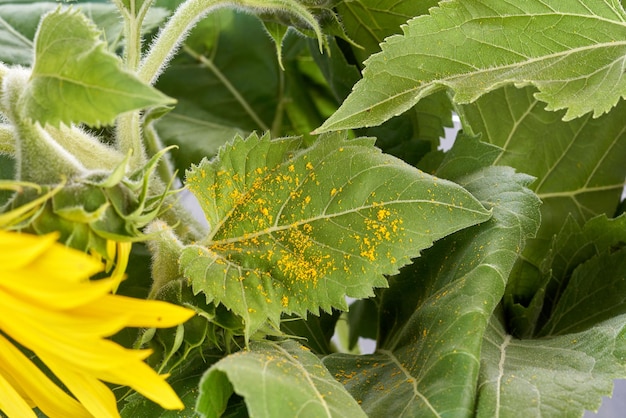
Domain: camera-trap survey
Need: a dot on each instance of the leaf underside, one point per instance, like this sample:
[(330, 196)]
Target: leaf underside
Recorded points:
[(549, 377)]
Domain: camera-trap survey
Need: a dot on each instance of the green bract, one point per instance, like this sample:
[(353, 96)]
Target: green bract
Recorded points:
[(304, 136), (90, 211)]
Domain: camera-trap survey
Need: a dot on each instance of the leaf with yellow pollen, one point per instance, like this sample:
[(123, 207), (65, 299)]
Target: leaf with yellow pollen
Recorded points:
[(298, 229)]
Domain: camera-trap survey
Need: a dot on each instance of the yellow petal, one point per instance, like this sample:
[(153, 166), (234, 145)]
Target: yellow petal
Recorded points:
[(142, 313), (63, 263), (54, 294), (95, 396), (76, 339), (50, 399), (11, 403), (121, 262), (18, 250), (23, 314), (144, 380)]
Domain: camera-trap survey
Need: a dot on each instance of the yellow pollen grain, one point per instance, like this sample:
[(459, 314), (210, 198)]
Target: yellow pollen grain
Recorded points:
[(333, 192), (284, 301), (309, 166), (291, 168), (382, 214)]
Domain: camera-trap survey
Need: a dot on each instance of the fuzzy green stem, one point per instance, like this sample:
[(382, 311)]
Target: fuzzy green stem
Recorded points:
[(40, 159), (186, 16), (129, 138), (153, 146), (7, 139), (129, 125)]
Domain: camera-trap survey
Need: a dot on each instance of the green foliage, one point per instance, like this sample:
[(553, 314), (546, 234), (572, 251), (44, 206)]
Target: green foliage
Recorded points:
[(476, 46), (289, 227), (491, 275), (266, 375), (61, 90)]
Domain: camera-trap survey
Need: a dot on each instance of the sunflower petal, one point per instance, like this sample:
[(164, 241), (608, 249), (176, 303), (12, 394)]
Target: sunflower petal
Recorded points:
[(11, 403), (63, 263), (18, 250), (54, 294), (142, 313), (121, 262), (49, 306), (94, 395), (35, 385)]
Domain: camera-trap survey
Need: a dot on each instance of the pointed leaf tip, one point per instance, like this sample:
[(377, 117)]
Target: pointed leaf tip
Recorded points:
[(75, 79)]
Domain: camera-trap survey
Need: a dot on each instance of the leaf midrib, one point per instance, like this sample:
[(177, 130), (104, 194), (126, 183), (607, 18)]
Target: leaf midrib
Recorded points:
[(279, 228)]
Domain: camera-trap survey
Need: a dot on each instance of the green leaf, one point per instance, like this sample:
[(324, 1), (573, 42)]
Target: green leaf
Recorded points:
[(228, 69), (294, 230), (574, 245), (371, 21), (571, 51), (18, 25), (75, 79), (195, 132), (17, 29), (596, 292), (275, 379), (565, 274), (578, 165), (549, 377), (434, 314)]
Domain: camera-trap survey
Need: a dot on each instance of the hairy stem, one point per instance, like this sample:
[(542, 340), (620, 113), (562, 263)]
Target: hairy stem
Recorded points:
[(186, 16), (128, 124)]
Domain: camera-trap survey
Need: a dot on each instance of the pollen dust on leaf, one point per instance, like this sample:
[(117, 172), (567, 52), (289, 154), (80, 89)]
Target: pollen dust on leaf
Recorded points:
[(299, 259), (381, 226)]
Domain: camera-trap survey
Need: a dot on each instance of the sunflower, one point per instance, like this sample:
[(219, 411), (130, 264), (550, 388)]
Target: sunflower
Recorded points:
[(54, 322)]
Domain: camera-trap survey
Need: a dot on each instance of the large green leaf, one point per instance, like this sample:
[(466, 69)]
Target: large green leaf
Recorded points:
[(228, 69), (276, 380), (417, 131), (549, 377), (571, 50), (434, 314), (75, 79), (579, 166), (294, 230)]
